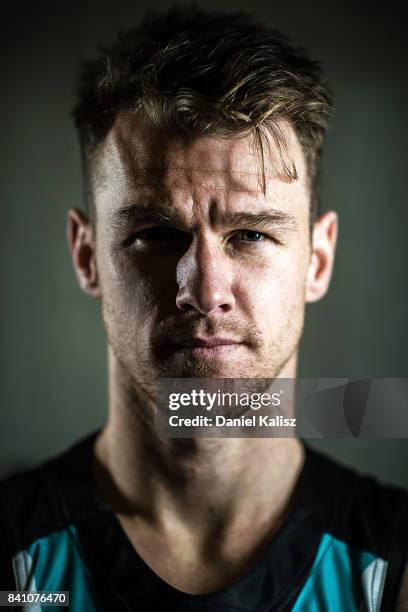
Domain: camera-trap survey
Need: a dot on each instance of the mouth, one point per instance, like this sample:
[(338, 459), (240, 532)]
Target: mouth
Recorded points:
[(207, 347)]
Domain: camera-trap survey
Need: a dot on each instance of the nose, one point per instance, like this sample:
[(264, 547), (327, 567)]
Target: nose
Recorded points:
[(204, 277)]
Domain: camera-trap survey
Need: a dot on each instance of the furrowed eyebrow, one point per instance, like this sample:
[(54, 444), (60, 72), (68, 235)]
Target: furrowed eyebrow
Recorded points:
[(164, 214), (134, 214), (269, 219)]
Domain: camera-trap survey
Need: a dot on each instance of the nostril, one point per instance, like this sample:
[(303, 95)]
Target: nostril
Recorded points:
[(185, 306), (205, 302)]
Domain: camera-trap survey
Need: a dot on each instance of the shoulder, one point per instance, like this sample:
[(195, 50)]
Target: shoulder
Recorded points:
[(368, 519), (33, 502), (40, 509), (25, 514), (26, 505), (359, 502)]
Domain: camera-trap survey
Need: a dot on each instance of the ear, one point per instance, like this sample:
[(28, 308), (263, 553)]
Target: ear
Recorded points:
[(320, 269), (82, 246)]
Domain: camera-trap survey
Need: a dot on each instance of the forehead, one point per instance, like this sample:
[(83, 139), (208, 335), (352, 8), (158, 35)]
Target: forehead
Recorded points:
[(136, 158)]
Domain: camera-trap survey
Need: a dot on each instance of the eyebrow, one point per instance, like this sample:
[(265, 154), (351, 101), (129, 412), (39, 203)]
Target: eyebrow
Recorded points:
[(271, 218), (134, 214)]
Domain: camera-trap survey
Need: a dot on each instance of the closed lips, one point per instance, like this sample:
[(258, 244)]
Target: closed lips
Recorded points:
[(209, 342)]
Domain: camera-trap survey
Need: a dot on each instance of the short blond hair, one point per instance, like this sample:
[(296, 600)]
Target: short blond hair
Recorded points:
[(196, 72)]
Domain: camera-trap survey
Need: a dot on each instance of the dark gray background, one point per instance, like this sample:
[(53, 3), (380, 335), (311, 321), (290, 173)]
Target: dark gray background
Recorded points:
[(53, 348)]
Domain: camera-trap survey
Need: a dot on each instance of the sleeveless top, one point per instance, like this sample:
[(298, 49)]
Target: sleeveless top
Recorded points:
[(342, 548)]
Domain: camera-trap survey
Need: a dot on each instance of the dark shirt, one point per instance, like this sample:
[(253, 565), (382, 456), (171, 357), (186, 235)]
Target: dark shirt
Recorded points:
[(343, 546)]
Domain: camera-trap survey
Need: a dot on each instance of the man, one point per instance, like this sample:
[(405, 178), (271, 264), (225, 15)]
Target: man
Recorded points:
[(201, 135)]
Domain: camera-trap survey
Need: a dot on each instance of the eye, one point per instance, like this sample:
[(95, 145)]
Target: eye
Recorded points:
[(250, 236), (160, 236), (157, 234)]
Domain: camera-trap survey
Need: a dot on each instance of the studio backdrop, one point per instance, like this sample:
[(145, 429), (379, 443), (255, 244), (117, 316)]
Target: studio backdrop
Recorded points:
[(53, 372)]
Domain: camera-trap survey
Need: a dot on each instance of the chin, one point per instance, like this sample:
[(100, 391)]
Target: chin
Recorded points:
[(209, 369)]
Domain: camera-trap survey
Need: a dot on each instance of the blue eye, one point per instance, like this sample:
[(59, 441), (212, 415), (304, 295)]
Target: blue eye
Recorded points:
[(251, 235)]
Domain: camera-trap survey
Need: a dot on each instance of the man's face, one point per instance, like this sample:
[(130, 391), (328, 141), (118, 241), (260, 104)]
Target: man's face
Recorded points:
[(191, 252)]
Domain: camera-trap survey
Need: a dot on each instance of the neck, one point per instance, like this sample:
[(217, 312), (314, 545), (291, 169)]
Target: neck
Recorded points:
[(193, 484)]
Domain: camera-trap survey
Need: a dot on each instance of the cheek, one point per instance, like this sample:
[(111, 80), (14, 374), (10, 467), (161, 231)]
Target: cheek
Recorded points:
[(132, 291), (275, 288)]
